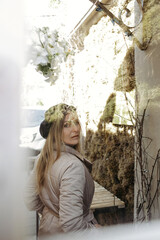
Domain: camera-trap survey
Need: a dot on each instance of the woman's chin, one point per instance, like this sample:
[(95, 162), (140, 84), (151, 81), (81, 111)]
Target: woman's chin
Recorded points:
[(72, 144)]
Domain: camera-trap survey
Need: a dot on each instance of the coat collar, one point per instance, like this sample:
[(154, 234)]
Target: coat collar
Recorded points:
[(66, 148)]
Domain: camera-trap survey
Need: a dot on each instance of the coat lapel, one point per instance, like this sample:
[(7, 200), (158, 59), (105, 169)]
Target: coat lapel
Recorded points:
[(71, 150)]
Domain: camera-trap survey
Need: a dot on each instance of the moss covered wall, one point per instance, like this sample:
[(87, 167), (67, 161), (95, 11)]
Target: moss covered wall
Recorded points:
[(96, 68), (151, 20), (112, 156), (104, 67)]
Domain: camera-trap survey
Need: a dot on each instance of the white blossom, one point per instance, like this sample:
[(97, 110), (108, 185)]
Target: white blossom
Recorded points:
[(41, 60), (49, 52)]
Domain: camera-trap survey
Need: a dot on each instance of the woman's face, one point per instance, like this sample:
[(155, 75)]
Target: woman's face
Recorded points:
[(71, 129)]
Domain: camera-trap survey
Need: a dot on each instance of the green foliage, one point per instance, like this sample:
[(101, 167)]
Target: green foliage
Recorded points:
[(43, 68), (109, 109), (151, 19), (125, 81), (112, 155)]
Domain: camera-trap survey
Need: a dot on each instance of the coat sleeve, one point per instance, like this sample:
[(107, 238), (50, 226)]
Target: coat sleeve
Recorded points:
[(31, 197), (71, 199)]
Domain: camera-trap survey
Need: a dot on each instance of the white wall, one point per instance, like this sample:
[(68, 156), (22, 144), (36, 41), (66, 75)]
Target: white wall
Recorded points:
[(148, 87)]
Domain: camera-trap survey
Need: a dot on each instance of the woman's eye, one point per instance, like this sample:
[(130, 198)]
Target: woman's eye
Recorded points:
[(71, 123), (76, 122), (66, 125)]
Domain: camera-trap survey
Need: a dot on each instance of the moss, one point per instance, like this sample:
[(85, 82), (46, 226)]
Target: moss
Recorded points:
[(151, 20), (125, 81), (109, 109), (112, 156)]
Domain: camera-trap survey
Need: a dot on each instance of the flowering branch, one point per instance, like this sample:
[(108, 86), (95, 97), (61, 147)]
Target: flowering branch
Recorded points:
[(50, 53)]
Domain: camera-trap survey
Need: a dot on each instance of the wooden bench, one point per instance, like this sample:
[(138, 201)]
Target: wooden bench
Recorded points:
[(103, 199)]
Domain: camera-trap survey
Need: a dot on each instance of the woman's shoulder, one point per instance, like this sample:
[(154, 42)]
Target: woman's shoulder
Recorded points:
[(67, 162), (69, 159)]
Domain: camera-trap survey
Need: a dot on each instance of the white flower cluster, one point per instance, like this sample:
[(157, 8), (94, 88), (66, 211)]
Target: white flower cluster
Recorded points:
[(49, 53)]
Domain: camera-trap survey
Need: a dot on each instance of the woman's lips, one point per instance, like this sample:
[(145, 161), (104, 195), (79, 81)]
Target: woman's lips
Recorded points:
[(76, 136)]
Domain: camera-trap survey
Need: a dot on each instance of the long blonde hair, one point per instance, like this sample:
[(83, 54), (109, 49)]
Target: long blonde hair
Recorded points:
[(52, 148)]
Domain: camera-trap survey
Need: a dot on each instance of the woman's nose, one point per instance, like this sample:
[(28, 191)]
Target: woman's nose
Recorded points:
[(75, 127)]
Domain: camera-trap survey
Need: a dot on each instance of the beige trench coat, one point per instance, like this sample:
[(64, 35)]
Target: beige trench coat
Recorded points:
[(66, 196)]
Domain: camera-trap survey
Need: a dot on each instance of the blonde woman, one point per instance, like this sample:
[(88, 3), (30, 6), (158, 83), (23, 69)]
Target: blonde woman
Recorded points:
[(60, 186)]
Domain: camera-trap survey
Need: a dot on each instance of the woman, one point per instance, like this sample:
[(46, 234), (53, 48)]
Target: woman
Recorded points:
[(61, 187)]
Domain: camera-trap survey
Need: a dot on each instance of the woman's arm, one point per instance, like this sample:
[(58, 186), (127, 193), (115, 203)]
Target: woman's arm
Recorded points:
[(71, 199), (31, 197)]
